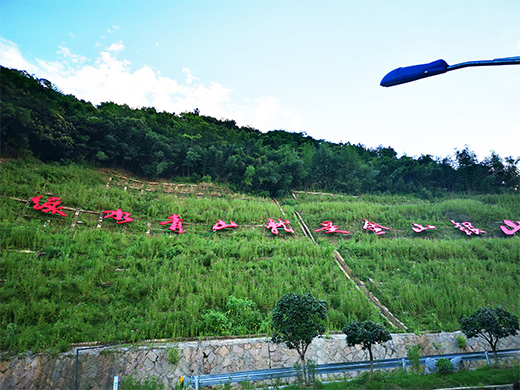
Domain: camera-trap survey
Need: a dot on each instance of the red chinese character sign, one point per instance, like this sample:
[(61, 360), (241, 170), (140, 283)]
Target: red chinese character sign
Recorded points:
[(511, 228), (330, 228), (52, 205), (420, 228), (374, 227), (467, 228), (223, 225), (118, 215), (175, 223), (271, 224)]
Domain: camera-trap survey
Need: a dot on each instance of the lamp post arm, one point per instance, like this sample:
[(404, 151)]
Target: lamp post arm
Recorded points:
[(496, 61), (416, 72)]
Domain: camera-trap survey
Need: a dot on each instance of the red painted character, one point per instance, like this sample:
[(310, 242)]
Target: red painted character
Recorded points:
[(175, 223), (271, 224), (223, 225), (467, 228), (330, 228), (420, 228), (374, 227), (118, 215), (512, 225), (50, 206)]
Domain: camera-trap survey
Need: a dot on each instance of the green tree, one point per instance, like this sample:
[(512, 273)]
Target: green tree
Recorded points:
[(326, 168), (512, 173), (491, 325), (297, 320), (470, 172), (367, 333)]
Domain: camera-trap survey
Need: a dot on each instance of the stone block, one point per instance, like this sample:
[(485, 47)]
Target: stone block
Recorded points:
[(223, 351)]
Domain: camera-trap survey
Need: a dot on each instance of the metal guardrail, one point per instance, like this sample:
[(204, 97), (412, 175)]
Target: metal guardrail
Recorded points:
[(197, 381)]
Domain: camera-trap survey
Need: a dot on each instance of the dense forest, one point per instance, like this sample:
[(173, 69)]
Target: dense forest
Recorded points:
[(37, 119)]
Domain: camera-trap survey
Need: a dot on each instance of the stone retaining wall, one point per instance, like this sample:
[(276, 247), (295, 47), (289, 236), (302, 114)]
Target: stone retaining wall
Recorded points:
[(97, 367)]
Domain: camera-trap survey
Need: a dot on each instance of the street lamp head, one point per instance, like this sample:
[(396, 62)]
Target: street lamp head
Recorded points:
[(415, 72)]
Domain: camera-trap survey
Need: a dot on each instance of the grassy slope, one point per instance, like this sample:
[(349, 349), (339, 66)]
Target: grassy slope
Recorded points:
[(118, 283), (432, 279)]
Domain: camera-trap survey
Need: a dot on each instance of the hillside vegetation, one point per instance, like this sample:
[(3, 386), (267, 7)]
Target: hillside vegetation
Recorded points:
[(65, 280), (37, 119)]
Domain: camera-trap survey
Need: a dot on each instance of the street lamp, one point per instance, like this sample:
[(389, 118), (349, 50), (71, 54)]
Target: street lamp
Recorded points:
[(416, 72)]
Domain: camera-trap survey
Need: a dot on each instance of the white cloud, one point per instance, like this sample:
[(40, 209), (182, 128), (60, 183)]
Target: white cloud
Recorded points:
[(116, 47), (109, 78), (11, 57), (266, 113), (68, 55), (189, 75)]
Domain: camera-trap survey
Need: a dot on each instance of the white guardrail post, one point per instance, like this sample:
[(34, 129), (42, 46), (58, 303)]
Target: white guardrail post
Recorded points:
[(116, 383)]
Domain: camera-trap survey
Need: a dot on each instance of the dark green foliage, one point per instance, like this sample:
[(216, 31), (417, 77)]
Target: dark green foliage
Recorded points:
[(297, 320), (461, 341), (445, 366), (38, 119), (216, 323), (244, 315), (240, 316), (491, 325), (414, 356), (367, 333)]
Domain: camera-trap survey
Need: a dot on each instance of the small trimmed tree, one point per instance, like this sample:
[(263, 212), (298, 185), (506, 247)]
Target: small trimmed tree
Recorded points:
[(491, 325), (367, 333), (297, 320)]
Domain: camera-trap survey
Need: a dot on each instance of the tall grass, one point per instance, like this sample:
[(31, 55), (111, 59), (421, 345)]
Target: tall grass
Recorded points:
[(117, 283), (485, 212), (431, 284)]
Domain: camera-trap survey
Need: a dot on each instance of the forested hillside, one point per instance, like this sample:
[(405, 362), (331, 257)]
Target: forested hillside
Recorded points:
[(38, 119)]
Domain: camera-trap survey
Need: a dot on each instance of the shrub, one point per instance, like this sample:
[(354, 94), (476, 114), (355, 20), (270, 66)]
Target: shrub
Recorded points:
[(461, 341), (173, 355), (216, 323), (414, 357), (445, 366), (243, 315)]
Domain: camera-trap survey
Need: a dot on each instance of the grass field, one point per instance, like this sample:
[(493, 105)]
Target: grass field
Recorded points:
[(483, 376), (64, 280)]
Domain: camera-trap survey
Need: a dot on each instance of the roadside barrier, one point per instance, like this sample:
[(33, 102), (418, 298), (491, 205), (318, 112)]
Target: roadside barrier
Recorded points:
[(198, 381)]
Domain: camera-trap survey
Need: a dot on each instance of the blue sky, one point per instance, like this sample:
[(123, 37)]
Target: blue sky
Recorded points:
[(312, 66)]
